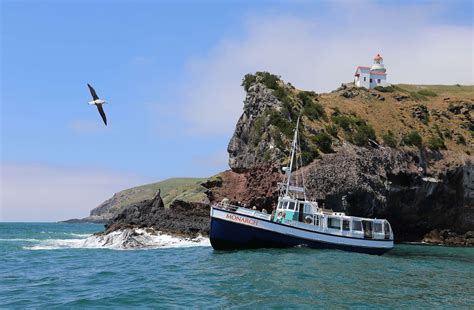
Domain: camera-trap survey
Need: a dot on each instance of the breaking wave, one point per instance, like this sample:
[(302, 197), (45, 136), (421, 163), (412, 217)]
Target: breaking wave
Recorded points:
[(121, 240)]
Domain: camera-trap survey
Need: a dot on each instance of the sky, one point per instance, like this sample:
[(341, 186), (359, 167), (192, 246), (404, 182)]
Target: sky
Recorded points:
[(171, 73)]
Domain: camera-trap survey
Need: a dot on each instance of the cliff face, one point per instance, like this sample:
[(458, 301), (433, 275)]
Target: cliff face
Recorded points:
[(252, 145), (423, 182)]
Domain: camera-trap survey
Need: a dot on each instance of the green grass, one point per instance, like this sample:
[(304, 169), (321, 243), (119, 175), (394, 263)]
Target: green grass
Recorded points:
[(188, 189), (437, 89)]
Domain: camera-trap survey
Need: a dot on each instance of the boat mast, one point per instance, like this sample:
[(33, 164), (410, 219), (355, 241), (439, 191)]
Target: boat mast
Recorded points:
[(293, 149)]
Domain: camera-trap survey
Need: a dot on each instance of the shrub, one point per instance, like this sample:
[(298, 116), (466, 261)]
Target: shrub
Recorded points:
[(460, 139), (447, 134), (308, 156), (363, 133), (332, 130), (308, 151), (323, 141), (277, 119), (306, 97), (427, 93), (336, 111), (386, 89), (248, 80), (389, 139), (417, 96), (435, 143), (270, 80), (438, 132), (281, 93), (314, 111), (413, 138), (343, 121)]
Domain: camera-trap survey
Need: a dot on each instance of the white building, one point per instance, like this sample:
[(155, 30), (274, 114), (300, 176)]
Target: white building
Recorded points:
[(370, 77)]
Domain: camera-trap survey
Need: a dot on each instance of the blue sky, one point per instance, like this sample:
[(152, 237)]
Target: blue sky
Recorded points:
[(171, 72)]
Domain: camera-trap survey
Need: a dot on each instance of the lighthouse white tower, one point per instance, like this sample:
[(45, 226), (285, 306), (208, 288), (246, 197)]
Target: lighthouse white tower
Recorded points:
[(370, 77)]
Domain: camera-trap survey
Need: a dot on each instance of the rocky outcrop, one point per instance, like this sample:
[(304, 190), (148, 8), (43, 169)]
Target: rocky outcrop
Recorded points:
[(254, 187), (449, 237), (252, 143), (182, 218), (417, 190), (392, 183)]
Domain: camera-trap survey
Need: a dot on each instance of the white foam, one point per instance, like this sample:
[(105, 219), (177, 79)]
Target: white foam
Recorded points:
[(79, 235), (123, 239)]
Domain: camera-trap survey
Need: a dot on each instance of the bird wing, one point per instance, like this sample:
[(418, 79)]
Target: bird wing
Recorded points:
[(102, 113), (93, 93)]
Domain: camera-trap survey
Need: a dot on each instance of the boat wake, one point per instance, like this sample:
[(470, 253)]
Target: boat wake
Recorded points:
[(121, 240)]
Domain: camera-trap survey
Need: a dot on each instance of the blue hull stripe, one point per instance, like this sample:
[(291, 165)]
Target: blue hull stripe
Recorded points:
[(226, 235)]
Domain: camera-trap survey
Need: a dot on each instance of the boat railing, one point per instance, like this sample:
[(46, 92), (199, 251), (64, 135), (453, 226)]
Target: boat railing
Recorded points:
[(242, 210), (226, 206)]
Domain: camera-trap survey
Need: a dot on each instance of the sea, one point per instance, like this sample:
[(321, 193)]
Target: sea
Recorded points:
[(56, 265)]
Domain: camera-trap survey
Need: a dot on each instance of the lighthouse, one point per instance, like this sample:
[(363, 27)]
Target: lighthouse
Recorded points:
[(370, 77)]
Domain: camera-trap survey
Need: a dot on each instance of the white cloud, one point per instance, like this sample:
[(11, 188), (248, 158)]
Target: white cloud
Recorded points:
[(34, 192), (320, 54)]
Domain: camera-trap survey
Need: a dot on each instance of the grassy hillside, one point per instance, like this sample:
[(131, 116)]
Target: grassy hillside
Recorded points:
[(439, 114), (435, 117), (188, 189)]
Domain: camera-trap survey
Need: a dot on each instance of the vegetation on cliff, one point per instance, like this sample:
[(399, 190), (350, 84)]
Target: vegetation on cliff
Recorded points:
[(429, 117)]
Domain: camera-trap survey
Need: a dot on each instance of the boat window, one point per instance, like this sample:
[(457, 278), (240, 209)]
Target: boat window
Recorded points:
[(356, 225), (307, 208), (386, 228), (291, 206), (368, 229), (334, 222), (345, 225), (316, 220), (378, 227), (285, 203)]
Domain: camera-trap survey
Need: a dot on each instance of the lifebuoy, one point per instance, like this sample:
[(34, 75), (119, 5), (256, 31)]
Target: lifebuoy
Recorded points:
[(284, 213), (308, 220)]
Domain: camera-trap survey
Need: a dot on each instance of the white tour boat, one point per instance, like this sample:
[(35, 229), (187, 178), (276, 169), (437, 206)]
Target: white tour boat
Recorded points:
[(296, 221)]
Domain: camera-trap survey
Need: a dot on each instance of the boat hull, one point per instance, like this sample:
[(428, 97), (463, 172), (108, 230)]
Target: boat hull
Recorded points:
[(227, 234)]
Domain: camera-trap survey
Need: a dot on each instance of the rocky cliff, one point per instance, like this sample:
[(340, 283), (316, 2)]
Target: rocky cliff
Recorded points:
[(401, 152)]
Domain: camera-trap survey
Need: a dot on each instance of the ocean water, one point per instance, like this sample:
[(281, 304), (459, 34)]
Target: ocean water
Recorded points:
[(49, 265)]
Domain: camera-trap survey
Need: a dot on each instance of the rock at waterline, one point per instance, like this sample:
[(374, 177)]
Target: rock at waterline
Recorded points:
[(181, 218)]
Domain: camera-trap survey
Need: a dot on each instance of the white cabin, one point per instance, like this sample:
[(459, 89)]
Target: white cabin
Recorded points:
[(370, 77)]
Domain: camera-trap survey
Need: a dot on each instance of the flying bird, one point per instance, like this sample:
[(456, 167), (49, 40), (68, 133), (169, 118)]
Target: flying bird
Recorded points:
[(97, 102)]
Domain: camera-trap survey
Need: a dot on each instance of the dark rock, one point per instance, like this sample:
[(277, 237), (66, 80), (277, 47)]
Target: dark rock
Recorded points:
[(420, 112), (378, 96), (350, 93), (401, 97), (448, 237), (182, 218)]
